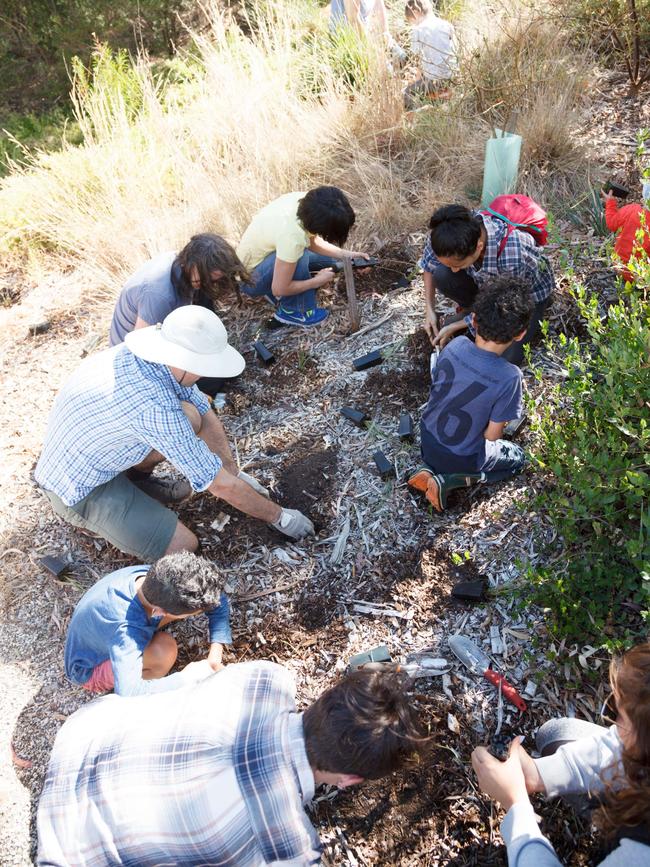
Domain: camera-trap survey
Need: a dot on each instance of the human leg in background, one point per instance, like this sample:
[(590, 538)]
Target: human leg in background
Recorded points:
[(457, 285), (263, 280)]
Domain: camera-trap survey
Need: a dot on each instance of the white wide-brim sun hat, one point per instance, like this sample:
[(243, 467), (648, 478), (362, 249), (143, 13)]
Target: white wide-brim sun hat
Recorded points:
[(191, 338)]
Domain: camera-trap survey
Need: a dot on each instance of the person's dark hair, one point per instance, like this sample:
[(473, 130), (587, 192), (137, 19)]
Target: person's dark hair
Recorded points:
[(326, 211), (627, 801), (415, 8), (364, 725), (208, 253), (455, 231), (502, 308), (181, 583)]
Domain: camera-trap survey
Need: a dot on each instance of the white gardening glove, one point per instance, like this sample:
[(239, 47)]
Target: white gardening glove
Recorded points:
[(255, 485), (294, 524)]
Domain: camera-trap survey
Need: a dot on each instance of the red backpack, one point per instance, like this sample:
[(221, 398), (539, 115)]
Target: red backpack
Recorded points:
[(520, 212)]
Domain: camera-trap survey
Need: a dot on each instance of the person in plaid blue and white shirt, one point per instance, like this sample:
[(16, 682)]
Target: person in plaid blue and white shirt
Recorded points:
[(466, 248), (218, 772), (125, 410)]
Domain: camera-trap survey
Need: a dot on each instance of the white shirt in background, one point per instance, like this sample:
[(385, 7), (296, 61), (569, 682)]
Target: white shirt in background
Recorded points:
[(432, 40)]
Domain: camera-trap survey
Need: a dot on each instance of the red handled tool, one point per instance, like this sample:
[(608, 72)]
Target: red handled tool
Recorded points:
[(479, 663)]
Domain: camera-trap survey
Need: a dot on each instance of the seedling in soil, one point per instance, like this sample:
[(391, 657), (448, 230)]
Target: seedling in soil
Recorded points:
[(371, 359), (385, 467), (263, 353), (405, 429), (354, 415)]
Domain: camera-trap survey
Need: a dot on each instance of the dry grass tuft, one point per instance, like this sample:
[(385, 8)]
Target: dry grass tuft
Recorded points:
[(250, 117)]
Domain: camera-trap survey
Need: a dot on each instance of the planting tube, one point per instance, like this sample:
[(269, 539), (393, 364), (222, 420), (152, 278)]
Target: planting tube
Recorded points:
[(501, 165)]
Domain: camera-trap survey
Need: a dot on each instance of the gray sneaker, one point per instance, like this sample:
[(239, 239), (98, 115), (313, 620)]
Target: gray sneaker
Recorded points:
[(165, 490)]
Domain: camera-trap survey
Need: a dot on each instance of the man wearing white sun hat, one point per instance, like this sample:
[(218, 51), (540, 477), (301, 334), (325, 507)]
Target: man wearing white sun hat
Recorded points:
[(125, 410)]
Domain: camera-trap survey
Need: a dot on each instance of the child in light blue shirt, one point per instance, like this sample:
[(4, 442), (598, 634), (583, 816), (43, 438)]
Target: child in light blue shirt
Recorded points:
[(114, 639)]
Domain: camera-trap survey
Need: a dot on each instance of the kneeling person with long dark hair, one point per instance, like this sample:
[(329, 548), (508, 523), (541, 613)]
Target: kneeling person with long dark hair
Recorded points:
[(607, 768)]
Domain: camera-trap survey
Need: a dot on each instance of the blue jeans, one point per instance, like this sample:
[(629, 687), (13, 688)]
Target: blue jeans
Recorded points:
[(503, 460), (263, 275)]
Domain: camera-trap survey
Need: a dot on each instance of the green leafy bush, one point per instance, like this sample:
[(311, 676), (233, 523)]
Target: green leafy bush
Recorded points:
[(593, 440)]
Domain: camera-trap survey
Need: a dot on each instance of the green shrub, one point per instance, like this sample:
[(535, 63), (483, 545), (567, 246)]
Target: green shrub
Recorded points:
[(593, 440)]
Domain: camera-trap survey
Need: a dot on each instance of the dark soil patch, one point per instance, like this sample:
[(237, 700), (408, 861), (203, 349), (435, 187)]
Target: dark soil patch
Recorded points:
[(305, 482), (421, 579), (418, 350), (404, 390), (308, 481), (294, 374)]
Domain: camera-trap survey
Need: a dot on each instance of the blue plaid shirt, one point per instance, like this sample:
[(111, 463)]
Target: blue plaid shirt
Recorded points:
[(112, 412), (520, 256), (215, 773)]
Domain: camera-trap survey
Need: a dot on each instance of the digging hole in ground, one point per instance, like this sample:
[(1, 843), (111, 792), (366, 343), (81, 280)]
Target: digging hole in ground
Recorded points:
[(306, 481)]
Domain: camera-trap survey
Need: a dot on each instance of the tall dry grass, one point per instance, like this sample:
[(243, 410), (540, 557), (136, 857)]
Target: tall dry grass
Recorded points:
[(249, 117)]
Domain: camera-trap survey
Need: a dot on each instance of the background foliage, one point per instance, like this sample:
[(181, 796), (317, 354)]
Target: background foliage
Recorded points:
[(594, 442)]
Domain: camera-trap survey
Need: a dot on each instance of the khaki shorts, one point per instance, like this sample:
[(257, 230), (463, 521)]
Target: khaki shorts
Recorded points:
[(121, 513)]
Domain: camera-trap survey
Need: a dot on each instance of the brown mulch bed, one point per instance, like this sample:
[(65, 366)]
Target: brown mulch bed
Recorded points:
[(379, 571)]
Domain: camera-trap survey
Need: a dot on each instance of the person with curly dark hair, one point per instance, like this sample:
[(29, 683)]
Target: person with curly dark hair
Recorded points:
[(220, 774), (475, 391), (115, 640), (591, 766), (467, 248), (290, 246)]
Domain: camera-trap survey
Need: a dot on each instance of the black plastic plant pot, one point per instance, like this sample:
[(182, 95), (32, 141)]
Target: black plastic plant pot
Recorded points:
[(385, 467), (371, 359), (360, 262), (263, 352), (617, 190), (469, 591), (405, 429), (356, 416)]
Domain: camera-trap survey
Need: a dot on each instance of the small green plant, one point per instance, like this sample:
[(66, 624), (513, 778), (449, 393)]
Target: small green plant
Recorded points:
[(458, 559), (593, 440)]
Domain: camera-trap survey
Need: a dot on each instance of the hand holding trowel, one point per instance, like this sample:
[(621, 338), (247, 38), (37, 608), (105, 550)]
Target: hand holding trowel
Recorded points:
[(479, 663)]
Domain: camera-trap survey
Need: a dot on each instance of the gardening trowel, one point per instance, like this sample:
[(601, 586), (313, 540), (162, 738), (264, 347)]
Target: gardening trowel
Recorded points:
[(479, 663)]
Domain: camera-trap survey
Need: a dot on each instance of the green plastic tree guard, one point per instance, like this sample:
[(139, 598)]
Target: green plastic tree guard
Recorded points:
[(501, 165)]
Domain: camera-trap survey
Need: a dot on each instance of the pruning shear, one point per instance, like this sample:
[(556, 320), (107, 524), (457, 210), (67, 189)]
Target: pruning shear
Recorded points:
[(479, 663)]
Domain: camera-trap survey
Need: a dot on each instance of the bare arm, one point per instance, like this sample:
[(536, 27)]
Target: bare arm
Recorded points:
[(320, 245), (214, 436), (494, 430), (228, 487), (140, 323), (283, 283), (430, 316), (353, 13)]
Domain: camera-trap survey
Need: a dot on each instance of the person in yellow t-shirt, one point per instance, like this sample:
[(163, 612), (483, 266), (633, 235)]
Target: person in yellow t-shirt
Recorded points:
[(290, 246)]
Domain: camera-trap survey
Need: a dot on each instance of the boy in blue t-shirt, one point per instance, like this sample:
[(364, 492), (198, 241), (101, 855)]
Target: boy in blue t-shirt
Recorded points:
[(114, 639), (474, 393)]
